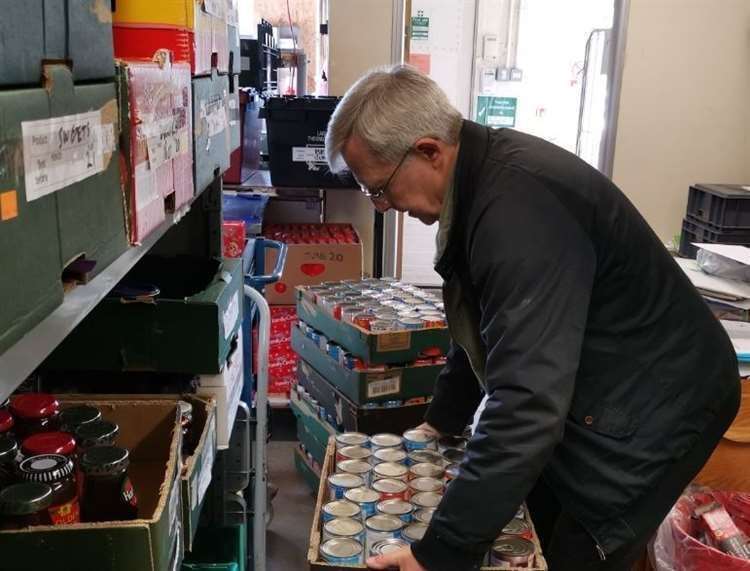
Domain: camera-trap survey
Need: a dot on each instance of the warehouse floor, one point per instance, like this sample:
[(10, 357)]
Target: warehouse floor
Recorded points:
[(289, 532)]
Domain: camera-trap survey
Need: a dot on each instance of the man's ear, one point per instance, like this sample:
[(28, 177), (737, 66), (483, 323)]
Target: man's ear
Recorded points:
[(428, 147)]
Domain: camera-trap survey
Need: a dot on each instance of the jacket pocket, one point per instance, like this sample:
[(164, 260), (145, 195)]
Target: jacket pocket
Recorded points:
[(605, 419)]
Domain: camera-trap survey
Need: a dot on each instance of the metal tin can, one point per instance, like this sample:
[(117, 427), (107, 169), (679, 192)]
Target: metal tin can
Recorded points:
[(416, 439), (333, 350), (398, 507), (365, 498), (342, 552), (425, 484), (352, 439), (350, 311), (390, 470), (425, 470), (343, 527), (395, 455), (380, 527), (360, 468), (353, 453), (424, 515), (521, 513), (425, 308), (338, 509), (388, 488), (454, 455), (427, 456), (408, 313), (339, 483), (510, 552), (385, 440), (426, 499), (409, 323), (451, 473), (339, 308), (387, 546), (414, 532), (432, 321), (363, 320), (517, 527), (381, 325)]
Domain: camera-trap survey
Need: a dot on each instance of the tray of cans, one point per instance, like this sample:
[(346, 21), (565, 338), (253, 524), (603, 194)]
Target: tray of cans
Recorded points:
[(377, 320), (365, 383), (378, 493)]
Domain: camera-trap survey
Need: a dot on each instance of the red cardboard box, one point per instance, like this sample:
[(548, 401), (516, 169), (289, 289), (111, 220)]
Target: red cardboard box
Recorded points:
[(316, 253), (233, 238)]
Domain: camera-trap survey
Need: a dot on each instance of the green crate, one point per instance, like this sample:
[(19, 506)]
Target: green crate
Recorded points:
[(218, 549), (376, 348), (311, 431), (306, 470)]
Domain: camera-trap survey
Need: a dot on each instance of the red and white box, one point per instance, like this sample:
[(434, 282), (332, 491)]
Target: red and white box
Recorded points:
[(233, 238)]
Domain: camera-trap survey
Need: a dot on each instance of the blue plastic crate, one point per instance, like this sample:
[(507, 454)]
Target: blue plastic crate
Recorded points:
[(246, 207)]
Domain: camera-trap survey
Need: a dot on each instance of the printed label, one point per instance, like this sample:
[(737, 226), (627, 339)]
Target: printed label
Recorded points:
[(65, 513), (231, 315), (207, 462), (396, 341), (61, 151), (214, 113), (385, 386), (309, 154)]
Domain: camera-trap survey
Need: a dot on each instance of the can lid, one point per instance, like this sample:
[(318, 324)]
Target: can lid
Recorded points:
[(394, 507), (424, 515), (356, 452), (385, 440), (386, 546), (513, 547), (25, 498), (8, 449), (516, 526), (453, 455), (346, 480), (390, 455), (361, 495), (417, 435), (427, 499), (415, 531), (426, 484), (96, 433), (354, 466), (6, 421), (105, 460), (344, 526), (46, 468), (425, 456), (34, 405), (49, 443), (341, 547), (73, 417), (341, 508), (383, 522), (427, 469), (389, 486), (352, 439), (390, 469)]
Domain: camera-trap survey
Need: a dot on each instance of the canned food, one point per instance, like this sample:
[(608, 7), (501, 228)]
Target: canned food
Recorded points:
[(408, 313), (342, 552), (334, 350), (340, 307), (390, 470), (359, 468), (432, 321), (353, 453), (363, 320), (394, 455), (387, 546), (451, 473), (400, 306), (343, 527), (348, 312), (388, 488), (424, 456), (352, 439), (339, 509), (380, 527), (424, 515), (453, 455), (398, 507), (521, 513), (414, 532), (510, 552), (380, 325), (409, 323), (385, 440), (426, 499), (338, 484), (425, 308), (365, 498), (425, 470), (517, 527), (416, 439), (425, 484)]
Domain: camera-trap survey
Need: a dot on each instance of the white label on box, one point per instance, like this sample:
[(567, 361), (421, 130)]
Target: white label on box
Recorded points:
[(207, 462), (107, 137), (215, 7), (61, 151), (214, 113), (166, 139), (231, 315), (386, 386), (309, 155)]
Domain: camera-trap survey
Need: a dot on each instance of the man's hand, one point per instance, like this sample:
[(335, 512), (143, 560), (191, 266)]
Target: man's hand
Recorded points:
[(429, 430), (403, 560)]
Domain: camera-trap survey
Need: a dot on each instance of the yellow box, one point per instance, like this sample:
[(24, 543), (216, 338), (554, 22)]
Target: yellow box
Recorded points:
[(175, 13)]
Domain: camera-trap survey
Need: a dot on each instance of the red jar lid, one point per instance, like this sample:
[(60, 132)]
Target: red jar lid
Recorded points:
[(49, 443), (34, 405), (6, 421)]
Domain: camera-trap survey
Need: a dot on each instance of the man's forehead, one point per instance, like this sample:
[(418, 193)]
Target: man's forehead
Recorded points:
[(360, 159)]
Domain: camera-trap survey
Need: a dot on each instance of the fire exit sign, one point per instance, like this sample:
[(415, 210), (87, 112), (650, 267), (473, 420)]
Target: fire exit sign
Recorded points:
[(496, 111)]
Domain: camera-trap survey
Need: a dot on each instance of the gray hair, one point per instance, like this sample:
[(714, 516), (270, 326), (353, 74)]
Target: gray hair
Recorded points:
[(389, 109)]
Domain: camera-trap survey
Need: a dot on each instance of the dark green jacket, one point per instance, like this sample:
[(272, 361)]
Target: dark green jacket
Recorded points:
[(602, 363)]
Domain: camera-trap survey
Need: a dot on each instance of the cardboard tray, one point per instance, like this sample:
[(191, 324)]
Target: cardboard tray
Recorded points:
[(313, 557), (376, 348)]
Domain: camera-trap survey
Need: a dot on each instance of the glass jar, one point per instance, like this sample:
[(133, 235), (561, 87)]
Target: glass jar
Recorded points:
[(57, 472), (8, 460), (108, 491), (6, 422), (186, 422), (97, 433), (34, 413), (25, 504), (73, 417), (49, 443)]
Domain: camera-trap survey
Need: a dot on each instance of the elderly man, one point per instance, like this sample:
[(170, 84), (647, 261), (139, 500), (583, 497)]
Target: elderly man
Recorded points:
[(608, 381)]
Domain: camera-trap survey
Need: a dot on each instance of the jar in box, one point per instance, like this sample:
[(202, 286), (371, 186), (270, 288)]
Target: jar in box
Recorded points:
[(58, 473), (108, 491), (97, 433), (6, 422), (8, 459), (33, 413), (25, 504), (73, 417)]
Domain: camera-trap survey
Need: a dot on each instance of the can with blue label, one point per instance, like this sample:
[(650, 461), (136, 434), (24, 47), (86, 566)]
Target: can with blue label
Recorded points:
[(400, 508), (416, 439), (380, 527), (340, 551), (340, 508), (344, 528), (365, 498), (414, 532), (338, 484), (426, 456), (385, 440), (395, 455)]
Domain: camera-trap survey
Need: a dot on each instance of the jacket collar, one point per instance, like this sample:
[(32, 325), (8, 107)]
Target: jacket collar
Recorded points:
[(471, 156)]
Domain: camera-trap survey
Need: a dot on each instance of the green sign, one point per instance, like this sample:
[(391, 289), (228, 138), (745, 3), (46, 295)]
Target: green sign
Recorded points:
[(420, 28), (497, 111)]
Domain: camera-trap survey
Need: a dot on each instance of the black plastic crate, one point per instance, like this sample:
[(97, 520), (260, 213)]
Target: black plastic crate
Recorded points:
[(723, 206), (693, 231), (296, 141)]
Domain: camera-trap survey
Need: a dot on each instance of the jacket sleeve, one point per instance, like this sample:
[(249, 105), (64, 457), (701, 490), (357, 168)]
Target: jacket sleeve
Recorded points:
[(532, 267), (456, 396)]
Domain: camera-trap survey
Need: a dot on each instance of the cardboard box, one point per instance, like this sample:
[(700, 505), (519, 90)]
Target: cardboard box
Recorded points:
[(211, 136), (375, 348), (233, 103), (348, 417), (294, 209), (226, 389), (150, 430), (314, 560), (363, 387), (156, 140), (57, 203), (35, 31), (312, 264), (311, 430), (189, 328)]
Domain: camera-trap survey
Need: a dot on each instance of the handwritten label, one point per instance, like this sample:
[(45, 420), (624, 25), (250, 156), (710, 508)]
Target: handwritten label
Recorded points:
[(322, 255), (214, 113), (167, 138), (61, 151), (395, 341), (231, 315), (385, 385)]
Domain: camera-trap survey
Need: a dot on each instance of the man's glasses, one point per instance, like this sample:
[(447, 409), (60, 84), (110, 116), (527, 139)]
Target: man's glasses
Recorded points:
[(378, 192)]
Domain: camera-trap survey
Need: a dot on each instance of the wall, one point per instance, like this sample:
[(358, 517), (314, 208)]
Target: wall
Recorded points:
[(684, 104)]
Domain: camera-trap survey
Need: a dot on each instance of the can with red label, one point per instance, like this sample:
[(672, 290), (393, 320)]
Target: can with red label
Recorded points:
[(388, 488), (363, 320), (348, 311), (517, 527), (432, 321), (382, 325), (390, 470)]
